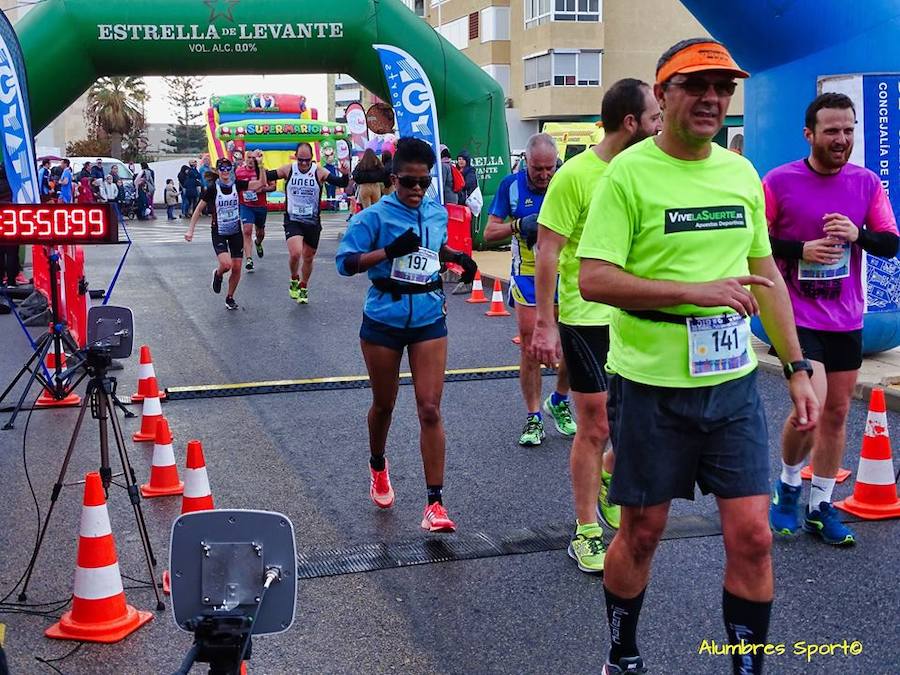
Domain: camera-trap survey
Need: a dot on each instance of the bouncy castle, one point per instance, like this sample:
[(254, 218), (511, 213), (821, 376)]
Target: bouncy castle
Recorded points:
[(273, 123)]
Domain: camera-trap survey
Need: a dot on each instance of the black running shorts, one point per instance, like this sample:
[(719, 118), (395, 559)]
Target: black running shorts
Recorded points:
[(837, 351), (668, 439), (309, 232), (585, 349), (223, 243)]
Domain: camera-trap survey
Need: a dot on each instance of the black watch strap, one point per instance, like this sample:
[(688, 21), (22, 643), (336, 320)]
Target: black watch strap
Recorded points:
[(796, 366)]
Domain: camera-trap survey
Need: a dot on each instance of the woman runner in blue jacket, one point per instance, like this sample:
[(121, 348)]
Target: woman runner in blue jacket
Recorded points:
[(401, 241)]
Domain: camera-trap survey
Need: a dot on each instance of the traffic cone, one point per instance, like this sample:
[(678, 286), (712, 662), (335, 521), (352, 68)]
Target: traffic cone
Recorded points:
[(164, 479), (150, 415), (875, 493), (99, 612), (842, 474), (46, 399), (497, 306), (145, 372), (197, 495), (477, 290)]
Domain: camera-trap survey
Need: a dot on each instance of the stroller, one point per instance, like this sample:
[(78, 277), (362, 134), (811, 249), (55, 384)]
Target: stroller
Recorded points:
[(128, 203)]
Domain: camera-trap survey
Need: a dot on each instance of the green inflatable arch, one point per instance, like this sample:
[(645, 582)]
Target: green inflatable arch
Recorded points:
[(68, 44)]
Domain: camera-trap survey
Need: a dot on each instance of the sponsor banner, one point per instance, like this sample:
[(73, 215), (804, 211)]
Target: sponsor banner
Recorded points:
[(705, 218), (15, 119), (881, 139), (414, 107)]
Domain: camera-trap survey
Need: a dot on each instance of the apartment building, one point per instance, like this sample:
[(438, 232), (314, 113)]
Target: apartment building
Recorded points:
[(553, 58)]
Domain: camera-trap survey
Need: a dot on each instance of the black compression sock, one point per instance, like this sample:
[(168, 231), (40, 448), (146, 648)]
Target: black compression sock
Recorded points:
[(622, 615), (746, 621), (377, 462), (435, 494)]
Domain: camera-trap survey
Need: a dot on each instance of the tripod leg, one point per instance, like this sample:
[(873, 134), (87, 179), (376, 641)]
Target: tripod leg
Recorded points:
[(54, 495), (121, 406), (133, 494), (38, 348), (41, 355)]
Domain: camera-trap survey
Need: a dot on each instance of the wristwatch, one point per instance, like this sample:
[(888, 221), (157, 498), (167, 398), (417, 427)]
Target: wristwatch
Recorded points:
[(796, 366)]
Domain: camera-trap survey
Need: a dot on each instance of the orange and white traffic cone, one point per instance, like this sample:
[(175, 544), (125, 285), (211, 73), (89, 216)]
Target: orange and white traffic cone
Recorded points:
[(164, 479), (47, 399), (197, 495), (842, 474), (875, 493), (497, 306), (477, 290), (145, 372), (150, 415), (99, 612)]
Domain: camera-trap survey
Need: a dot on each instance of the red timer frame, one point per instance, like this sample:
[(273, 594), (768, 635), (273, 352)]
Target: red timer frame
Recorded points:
[(52, 224)]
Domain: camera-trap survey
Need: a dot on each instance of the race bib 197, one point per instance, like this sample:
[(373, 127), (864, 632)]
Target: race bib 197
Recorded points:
[(717, 344), (417, 267)]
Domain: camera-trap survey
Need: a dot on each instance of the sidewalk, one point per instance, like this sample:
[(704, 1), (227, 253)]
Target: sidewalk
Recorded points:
[(878, 370)]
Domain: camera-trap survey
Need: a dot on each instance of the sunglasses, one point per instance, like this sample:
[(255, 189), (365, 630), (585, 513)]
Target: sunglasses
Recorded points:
[(698, 86), (409, 182), (304, 160), (224, 169)]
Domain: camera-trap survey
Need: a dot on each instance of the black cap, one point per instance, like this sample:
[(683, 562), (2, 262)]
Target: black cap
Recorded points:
[(224, 163)]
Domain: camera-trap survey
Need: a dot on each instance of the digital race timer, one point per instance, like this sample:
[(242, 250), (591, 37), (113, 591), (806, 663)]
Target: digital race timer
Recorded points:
[(58, 224)]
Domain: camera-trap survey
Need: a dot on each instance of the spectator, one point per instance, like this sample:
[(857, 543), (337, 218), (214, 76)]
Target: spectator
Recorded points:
[(44, 181), (464, 164), (369, 175), (171, 197), (85, 191), (97, 170), (328, 163), (84, 173), (143, 202), (207, 178), (450, 195), (66, 187), (191, 189), (387, 160), (109, 191)]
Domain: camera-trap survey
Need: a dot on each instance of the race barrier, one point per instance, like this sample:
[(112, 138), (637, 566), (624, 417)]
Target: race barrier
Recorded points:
[(459, 231)]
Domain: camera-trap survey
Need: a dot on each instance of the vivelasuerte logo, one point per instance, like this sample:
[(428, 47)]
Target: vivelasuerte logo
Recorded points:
[(241, 31), (705, 218)]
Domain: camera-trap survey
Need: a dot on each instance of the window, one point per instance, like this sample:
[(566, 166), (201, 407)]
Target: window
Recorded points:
[(456, 32), (576, 10), (537, 12), (563, 69), (473, 26), (537, 71), (494, 24)]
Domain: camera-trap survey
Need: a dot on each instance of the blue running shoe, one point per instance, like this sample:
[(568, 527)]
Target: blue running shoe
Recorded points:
[(784, 512), (825, 522)]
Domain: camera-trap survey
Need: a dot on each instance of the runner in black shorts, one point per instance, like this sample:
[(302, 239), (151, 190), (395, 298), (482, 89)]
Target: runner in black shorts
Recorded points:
[(254, 205), (227, 240), (630, 114), (675, 235), (302, 217)]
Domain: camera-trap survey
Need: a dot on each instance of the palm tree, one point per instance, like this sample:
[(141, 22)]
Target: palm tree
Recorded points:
[(115, 105)]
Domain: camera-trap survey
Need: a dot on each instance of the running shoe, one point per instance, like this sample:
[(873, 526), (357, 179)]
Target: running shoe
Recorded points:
[(627, 664), (259, 248), (303, 296), (532, 432), (380, 489), (784, 511), (230, 303), (562, 417), (294, 290), (217, 282), (588, 549), (609, 513), (435, 519), (249, 264), (825, 522)]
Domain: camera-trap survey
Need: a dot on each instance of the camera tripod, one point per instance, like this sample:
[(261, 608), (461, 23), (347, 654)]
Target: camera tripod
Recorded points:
[(100, 396)]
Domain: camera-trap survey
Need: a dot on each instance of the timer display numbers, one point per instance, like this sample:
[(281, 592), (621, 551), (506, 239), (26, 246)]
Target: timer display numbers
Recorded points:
[(53, 224)]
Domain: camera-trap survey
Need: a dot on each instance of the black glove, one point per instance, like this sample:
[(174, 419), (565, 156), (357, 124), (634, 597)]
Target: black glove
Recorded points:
[(469, 267), (406, 243), (528, 229)]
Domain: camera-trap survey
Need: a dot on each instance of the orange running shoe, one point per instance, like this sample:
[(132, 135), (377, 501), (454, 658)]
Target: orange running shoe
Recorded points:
[(380, 489), (435, 519)]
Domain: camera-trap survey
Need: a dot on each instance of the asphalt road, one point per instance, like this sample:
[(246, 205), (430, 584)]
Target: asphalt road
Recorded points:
[(304, 454)]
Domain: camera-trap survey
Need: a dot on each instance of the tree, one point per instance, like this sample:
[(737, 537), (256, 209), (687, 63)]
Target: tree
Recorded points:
[(115, 106), (187, 105), (88, 147)]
